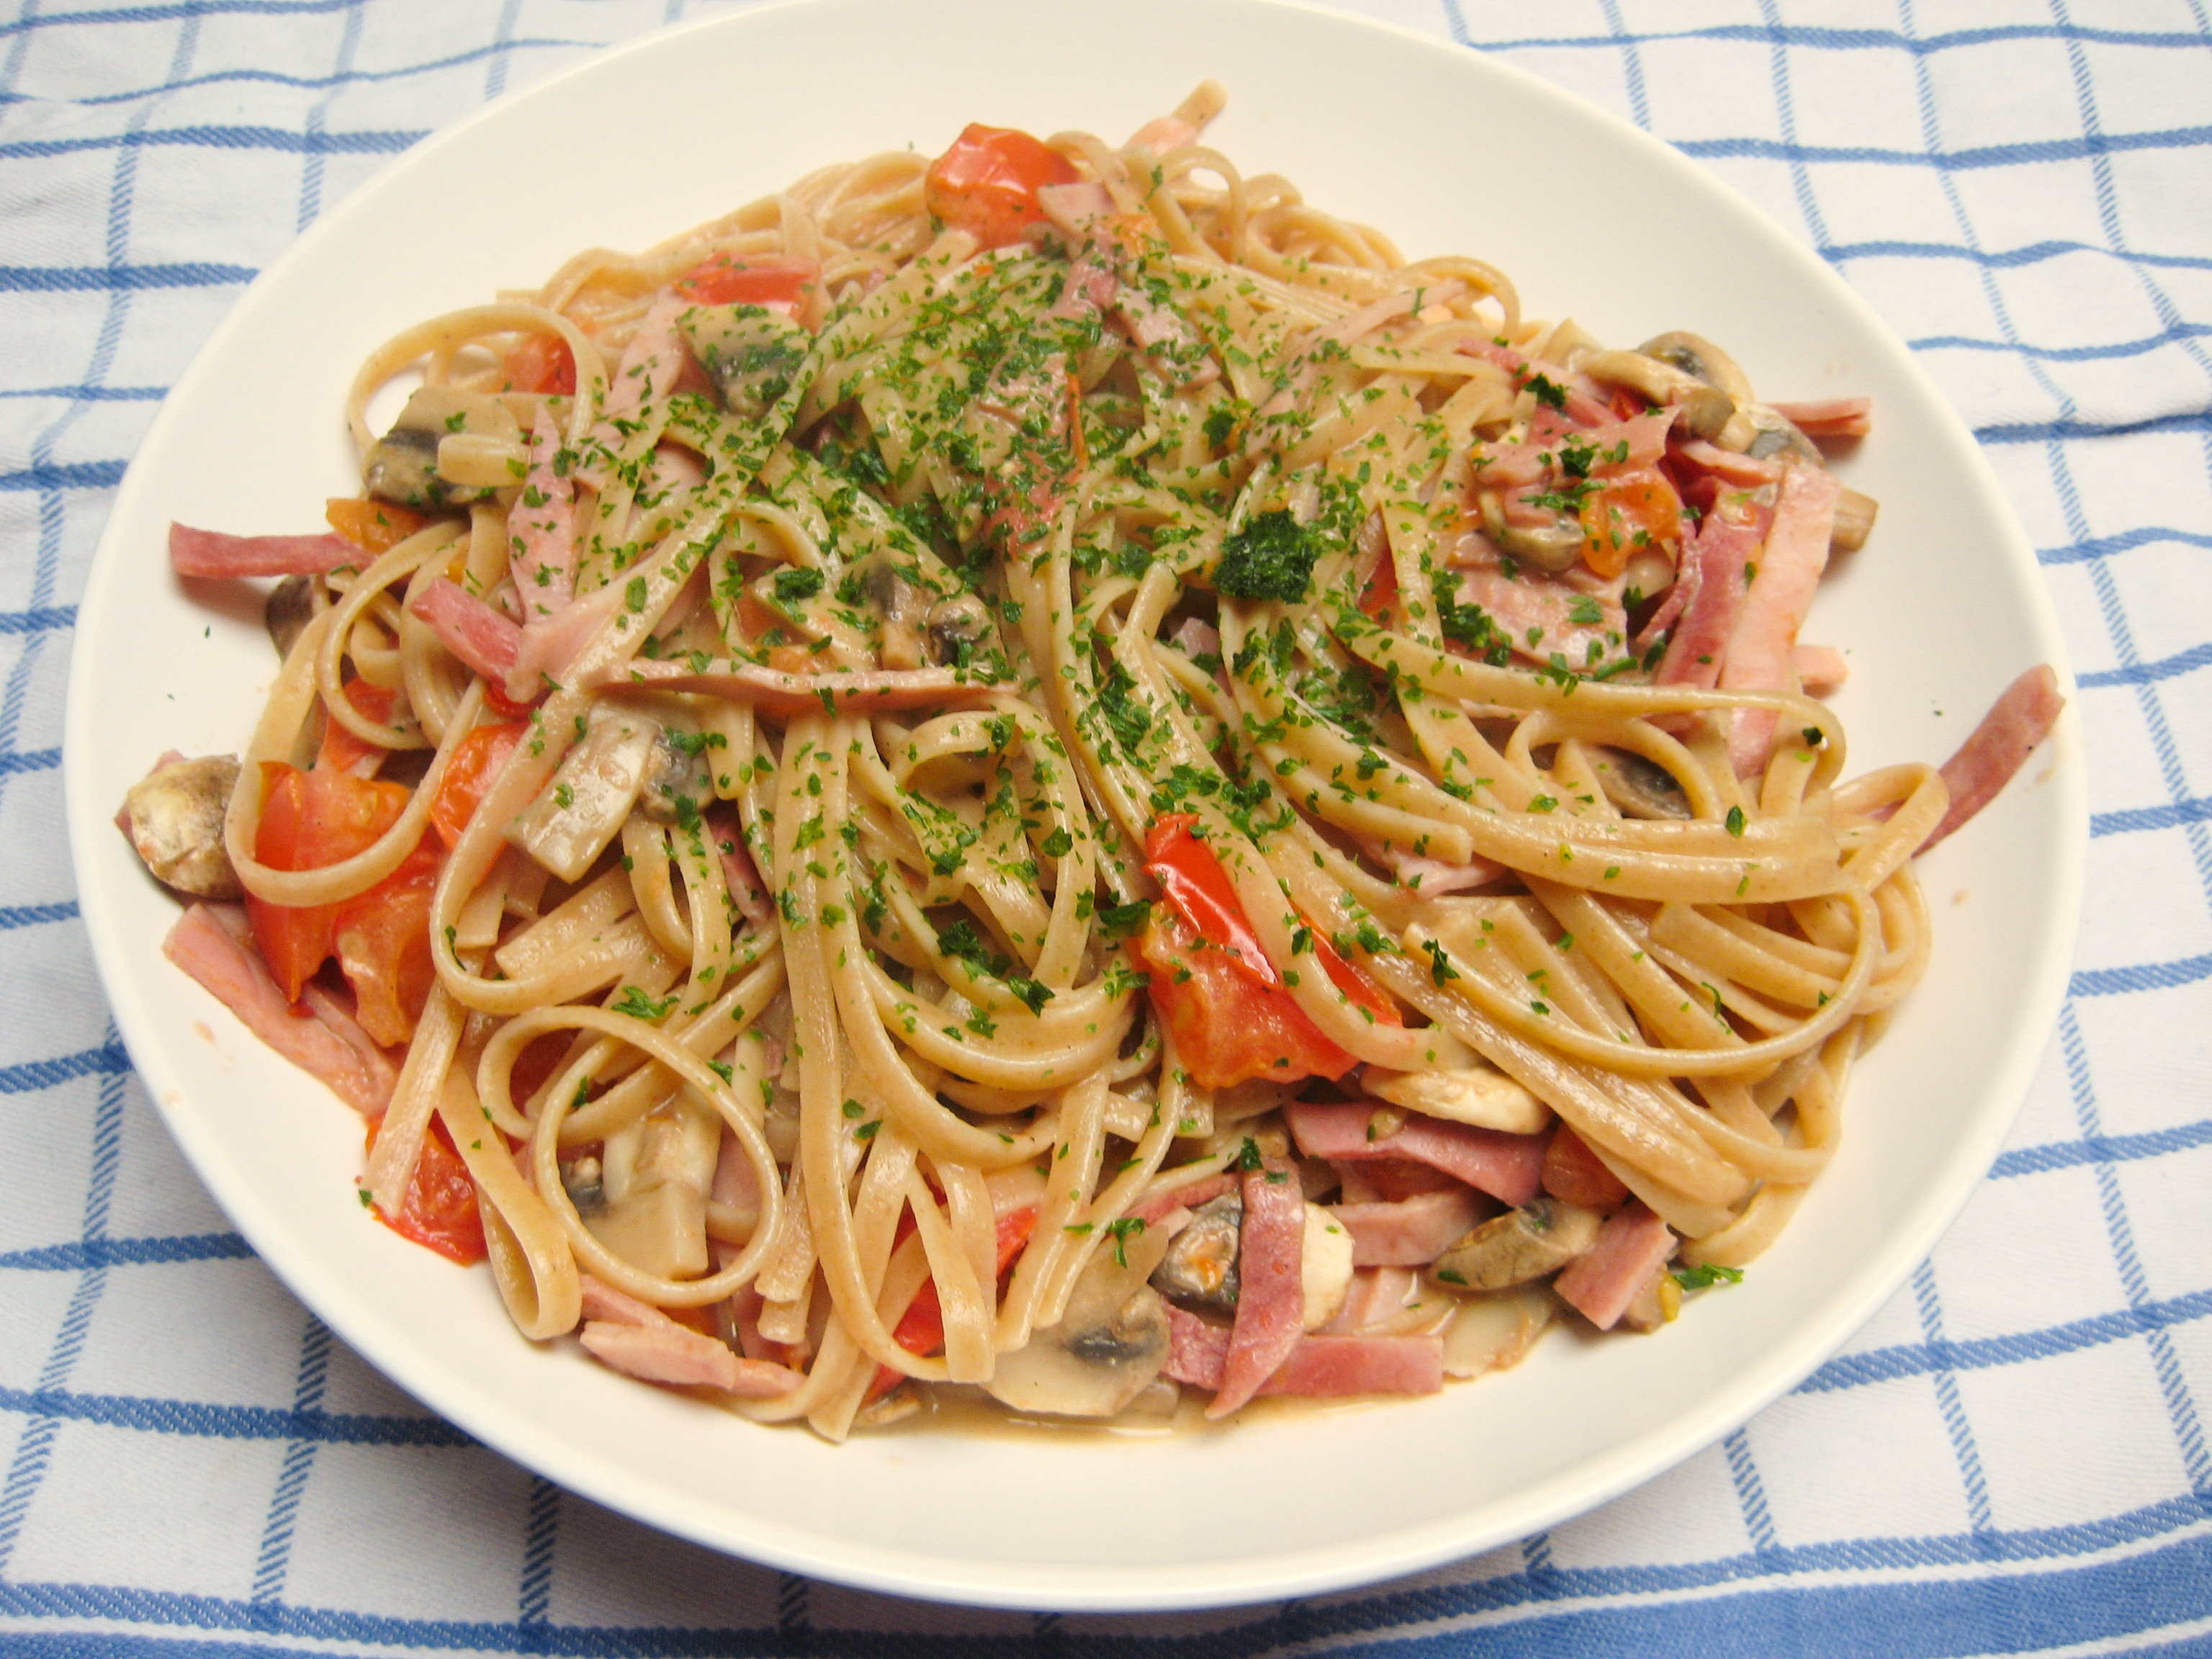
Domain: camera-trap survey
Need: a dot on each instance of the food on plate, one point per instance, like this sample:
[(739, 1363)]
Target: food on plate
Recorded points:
[(1047, 773)]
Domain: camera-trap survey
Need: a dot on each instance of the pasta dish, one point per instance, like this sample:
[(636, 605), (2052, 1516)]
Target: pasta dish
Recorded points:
[(1047, 773)]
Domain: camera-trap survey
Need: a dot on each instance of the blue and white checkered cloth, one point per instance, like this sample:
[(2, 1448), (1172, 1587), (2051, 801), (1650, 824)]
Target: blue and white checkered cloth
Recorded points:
[(2011, 1459)]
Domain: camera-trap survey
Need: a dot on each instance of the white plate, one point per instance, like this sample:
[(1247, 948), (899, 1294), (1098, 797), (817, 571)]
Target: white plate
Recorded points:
[(1446, 151)]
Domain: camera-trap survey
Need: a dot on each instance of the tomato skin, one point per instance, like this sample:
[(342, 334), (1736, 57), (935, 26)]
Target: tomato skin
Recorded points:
[(542, 362), (382, 940), (754, 280), (342, 751), (986, 183), (1625, 503), (1227, 1027), (440, 1210), (372, 527), (310, 820), (1202, 894), (1379, 597), (920, 1330), (477, 760)]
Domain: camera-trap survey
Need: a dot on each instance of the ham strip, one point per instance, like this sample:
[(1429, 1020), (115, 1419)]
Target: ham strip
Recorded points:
[(1153, 1212), (475, 633), (1758, 655), (1271, 1303), (1837, 418), (541, 528), (1510, 1168), (1713, 561), (1632, 1246), (640, 1341), (798, 694), (210, 553), (1409, 1234), (212, 944), (747, 891), (1317, 1367), (2022, 717)]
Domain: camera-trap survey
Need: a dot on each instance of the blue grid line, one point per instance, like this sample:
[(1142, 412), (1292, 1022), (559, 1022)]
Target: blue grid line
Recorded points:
[(310, 170), (2101, 1148), (80, 475), (199, 1420), (33, 1454), (2032, 253), (91, 394), (2070, 429), (314, 82), (2129, 820), (1953, 1409), (383, 142), (2180, 1404), (2142, 673), (30, 760), (2146, 976), (1631, 64), (276, 1557), (1785, 112), (109, 1060), (1750, 1493), (541, 1532), (2087, 353), (2166, 1585), (12, 916), (1900, 1360), (2040, 152), (38, 621), (2101, 547), (79, 279), (164, 1251)]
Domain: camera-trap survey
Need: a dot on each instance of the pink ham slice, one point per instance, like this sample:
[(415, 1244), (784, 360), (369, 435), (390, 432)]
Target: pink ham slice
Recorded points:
[(1154, 1210), (1510, 1168), (642, 1341), (1758, 657), (542, 526), (1632, 1246), (1837, 418), (475, 633), (1409, 1234), (747, 891), (1714, 560), (1317, 1367), (1271, 1301), (210, 553), (2022, 718), (212, 944)]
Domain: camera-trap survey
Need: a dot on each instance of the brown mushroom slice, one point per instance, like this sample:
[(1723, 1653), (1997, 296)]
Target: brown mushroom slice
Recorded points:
[(957, 626), (1476, 1093), (174, 817), (1199, 1271), (1706, 409), (678, 785), (1107, 1349), (751, 352), (904, 606), (1539, 1237), (1493, 1332), (1640, 787), (592, 793), (1855, 516), (1552, 546), (1701, 359), (403, 467), (288, 610), (654, 1175)]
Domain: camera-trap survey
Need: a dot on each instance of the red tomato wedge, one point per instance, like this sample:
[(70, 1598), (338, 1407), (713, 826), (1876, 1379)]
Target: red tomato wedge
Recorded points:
[(440, 1210), (986, 183), (920, 1330), (1202, 894), (310, 820), (372, 527), (753, 280), (1228, 1028), (1379, 597), (542, 362), (382, 939), (342, 751), (476, 761), (1630, 512)]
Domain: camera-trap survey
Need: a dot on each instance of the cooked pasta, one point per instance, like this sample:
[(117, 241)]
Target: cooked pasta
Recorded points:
[(1049, 770)]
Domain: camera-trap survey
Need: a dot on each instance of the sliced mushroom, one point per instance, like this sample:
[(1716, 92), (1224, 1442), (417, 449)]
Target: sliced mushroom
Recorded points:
[(403, 467), (751, 352), (1477, 1093), (1855, 515), (1659, 1302), (1706, 409), (1105, 1351), (679, 784), (592, 793), (582, 1179), (1701, 359), (1539, 1237), (904, 606), (1324, 1267), (1640, 787), (289, 608), (1199, 1271), (174, 820), (1553, 545), (1491, 1333), (956, 627), (655, 1177)]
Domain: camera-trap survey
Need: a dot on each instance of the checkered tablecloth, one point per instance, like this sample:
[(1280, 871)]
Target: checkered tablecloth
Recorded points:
[(2011, 1458)]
